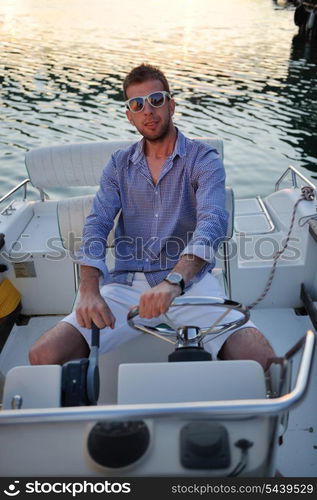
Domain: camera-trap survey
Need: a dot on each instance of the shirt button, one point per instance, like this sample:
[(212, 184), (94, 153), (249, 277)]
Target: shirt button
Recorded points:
[(156, 215)]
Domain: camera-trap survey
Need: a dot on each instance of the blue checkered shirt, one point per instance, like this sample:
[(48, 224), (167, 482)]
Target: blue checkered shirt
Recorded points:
[(183, 213)]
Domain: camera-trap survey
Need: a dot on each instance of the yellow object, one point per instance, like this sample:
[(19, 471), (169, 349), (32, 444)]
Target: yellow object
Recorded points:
[(9, 298)]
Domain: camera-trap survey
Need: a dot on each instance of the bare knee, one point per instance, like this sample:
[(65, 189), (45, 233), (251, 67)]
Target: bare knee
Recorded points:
[(248, 343), (44, 353), (36, 357), (58, 345), (41, 354)]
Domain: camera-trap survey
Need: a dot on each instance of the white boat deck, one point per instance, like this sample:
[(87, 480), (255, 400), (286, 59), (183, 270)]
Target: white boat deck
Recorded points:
[(297, 456)]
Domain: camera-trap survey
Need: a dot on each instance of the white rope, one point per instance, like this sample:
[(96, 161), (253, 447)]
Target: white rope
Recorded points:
[(308, 195)]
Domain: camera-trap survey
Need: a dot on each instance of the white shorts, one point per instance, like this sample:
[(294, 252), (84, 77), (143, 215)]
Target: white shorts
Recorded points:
[(121, 297)]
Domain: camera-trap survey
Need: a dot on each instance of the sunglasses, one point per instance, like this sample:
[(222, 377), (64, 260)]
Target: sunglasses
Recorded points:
[(156, 99)]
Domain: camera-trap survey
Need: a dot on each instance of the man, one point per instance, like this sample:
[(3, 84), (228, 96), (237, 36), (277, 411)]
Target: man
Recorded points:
[(170, 191)]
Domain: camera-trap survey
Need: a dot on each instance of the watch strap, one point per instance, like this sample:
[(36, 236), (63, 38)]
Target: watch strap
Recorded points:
[(181, 283)]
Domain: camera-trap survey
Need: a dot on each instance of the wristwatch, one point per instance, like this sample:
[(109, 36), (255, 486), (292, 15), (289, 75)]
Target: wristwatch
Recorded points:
[(176, 279)]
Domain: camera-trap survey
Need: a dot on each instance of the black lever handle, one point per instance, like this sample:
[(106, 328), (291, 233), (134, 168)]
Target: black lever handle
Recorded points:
[(93, 380), (95, 335)]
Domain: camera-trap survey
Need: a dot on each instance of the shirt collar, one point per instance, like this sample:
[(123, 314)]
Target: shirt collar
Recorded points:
[(179, 149), (138, 151), (180, 145)]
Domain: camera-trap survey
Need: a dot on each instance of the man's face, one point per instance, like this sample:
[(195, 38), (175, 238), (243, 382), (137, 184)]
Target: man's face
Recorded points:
[(152, 123)]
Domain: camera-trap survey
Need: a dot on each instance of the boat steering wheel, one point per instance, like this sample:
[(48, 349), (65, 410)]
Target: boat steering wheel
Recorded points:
[(194, 336)]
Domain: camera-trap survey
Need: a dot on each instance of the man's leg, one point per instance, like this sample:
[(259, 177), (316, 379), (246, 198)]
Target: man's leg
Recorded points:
[(247, 343), (61, 343)]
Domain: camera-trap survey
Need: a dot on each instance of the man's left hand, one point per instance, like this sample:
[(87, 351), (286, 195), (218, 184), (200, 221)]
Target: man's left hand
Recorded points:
[(157, 300)]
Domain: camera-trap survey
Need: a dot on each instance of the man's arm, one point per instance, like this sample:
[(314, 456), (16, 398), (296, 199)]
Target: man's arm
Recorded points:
[(91, 306), (91, 256), (157, 300)]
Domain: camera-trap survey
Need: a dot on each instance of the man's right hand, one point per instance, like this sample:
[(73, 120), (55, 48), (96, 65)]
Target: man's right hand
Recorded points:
[(91, 306)]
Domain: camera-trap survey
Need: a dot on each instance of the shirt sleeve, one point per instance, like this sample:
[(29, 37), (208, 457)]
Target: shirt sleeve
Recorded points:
[(100, 221), (212, 217)]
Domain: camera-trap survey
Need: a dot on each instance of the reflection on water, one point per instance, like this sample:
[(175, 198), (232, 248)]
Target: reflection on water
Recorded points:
[(302, 79), (237, 70)]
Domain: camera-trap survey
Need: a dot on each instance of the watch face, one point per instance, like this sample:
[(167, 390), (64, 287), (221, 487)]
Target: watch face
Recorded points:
[(174, 278)]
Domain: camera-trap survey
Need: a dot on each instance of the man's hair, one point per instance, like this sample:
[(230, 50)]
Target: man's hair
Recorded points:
[(143, 73)]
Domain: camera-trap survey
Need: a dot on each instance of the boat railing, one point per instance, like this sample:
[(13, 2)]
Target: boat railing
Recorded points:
[(294, 174), (23, 184), (195, 410)]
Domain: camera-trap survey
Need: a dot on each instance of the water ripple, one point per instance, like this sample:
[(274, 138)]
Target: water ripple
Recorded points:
[(237, 70)]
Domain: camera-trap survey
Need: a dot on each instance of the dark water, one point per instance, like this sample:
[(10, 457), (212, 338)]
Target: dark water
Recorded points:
[(236, 67)]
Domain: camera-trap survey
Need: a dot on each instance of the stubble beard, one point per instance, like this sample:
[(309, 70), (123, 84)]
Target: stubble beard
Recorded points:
[(161, 134)]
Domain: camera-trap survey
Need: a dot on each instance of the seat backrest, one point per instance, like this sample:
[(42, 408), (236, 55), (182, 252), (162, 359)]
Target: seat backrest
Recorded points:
[(71, 214), (70, 165), (74, 165)]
